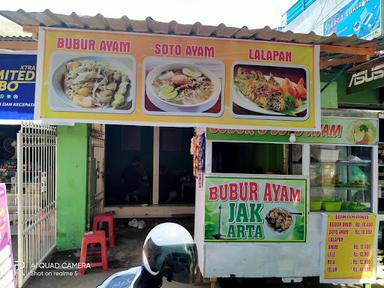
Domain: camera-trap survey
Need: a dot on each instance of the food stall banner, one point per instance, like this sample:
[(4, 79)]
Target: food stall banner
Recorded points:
[(369, 76), (17, 86), (255, 209), (359, 17), (7, 268), (167, 80), (349, 131), (349, 248)]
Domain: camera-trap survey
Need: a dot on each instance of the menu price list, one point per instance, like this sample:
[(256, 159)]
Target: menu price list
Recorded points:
[(349, 246)]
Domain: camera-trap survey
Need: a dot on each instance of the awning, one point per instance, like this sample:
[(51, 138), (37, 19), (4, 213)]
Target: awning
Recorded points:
[(335, 51)]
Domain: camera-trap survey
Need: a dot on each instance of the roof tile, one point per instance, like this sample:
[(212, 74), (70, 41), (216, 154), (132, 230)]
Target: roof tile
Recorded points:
[(149, 25), (99, 22)]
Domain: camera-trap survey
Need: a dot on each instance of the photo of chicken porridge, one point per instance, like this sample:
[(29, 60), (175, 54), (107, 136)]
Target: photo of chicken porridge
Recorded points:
[(279, 219), (94, 84)]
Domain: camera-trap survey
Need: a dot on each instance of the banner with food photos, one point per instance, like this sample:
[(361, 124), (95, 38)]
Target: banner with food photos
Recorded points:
[(334, 130), (154, 79), (255, 209)]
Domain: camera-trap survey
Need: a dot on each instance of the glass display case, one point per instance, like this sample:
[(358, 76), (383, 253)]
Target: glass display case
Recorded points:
[(341, 178)]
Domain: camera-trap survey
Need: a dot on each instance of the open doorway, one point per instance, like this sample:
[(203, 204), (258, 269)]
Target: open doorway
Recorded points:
[(148, 168), (176, 181), (129, 161)]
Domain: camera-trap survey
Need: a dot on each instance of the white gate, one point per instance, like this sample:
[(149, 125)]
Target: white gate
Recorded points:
[(36, 188)]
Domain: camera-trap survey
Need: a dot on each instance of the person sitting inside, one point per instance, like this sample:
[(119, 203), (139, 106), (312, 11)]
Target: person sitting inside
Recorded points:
[(135, 180)]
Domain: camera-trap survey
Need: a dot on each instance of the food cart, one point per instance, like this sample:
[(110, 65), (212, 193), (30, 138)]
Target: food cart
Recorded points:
[(314, 217)]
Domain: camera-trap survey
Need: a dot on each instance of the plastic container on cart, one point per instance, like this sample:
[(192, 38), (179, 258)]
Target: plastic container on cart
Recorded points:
[(326, 155), (332, 206), (315, 205)]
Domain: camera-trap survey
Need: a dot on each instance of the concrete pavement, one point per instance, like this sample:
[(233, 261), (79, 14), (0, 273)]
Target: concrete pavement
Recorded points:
[(94, 278), (128, 253), (89, 280)]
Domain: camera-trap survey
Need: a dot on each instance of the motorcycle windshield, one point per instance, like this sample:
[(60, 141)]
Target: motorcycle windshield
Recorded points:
[(123, 279)]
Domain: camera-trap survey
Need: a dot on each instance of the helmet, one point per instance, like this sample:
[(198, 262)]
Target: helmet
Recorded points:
[(170, 251)]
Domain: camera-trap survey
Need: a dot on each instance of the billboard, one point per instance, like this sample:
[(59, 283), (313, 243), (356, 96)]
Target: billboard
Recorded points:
[(166, 80), (17, 86), (359, 17), (364, 77)]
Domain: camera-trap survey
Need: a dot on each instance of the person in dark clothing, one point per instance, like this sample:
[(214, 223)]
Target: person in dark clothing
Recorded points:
[(134, 180)]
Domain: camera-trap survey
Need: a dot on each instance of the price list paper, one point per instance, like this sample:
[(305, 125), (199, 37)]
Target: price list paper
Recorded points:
[(349, 248)]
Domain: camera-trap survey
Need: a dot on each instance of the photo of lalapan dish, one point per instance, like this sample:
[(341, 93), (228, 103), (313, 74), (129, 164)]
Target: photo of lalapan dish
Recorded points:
[(181, 88), (269, 90), (92, 84)]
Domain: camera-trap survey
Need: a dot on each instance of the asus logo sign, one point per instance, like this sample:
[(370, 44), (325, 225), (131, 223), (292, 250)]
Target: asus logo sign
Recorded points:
[(366, 76)]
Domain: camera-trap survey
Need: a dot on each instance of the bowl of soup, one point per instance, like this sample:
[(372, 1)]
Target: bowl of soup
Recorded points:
[(182, 87)]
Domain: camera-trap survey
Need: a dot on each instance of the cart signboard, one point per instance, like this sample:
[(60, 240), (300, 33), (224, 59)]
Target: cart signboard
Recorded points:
[(349, 131), (156, 79), (349, 248), (7, 268), (17, 86), (255, 208)]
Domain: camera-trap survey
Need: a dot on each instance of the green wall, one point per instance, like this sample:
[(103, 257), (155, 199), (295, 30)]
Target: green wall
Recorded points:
[(248, 158), (329, 95), (335, 94), (72, 151), (369, 96)]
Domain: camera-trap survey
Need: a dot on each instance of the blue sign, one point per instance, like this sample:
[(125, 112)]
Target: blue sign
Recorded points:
[(359, 17), (17, 86)]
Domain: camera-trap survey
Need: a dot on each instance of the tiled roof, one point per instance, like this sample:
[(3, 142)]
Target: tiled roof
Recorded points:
[(149, 25), (16, 38), (32, 20)]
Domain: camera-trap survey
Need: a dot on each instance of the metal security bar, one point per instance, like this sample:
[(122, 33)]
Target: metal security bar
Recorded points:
[(36, 188)]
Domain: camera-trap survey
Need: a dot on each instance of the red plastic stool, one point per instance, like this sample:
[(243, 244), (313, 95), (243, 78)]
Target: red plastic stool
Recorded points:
[(93, 237), (108, 218)]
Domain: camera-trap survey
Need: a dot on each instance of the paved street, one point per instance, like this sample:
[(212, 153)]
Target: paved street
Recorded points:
[(93, 279), (90, 280), (128, 253)]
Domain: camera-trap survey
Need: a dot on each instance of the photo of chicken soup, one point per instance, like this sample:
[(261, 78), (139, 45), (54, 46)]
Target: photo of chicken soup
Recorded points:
[(183, 86)]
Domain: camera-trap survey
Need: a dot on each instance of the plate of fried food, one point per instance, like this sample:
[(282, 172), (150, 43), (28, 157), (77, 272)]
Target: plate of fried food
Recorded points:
[(258, 91)]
